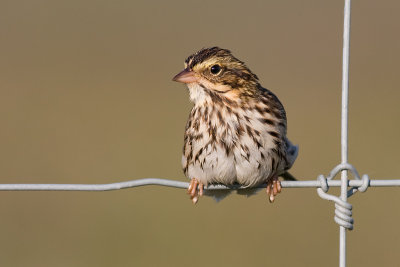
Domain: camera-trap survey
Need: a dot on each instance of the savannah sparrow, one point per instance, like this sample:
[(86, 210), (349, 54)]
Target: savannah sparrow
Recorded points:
[(236, 131)]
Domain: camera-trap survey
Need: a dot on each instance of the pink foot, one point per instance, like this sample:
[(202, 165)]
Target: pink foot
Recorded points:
[(195, 190), (273, 188)]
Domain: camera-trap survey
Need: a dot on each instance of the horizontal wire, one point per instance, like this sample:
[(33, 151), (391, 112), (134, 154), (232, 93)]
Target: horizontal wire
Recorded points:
[(179, 184)]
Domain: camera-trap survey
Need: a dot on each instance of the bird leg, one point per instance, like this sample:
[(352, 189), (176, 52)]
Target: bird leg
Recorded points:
[(273, 188), (195, 190)]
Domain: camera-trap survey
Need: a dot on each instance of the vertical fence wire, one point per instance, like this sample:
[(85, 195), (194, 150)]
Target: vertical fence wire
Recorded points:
[(344, 119)]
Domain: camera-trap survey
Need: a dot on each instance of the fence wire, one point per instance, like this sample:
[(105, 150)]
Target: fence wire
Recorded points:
[(184, 185), (343, 209)]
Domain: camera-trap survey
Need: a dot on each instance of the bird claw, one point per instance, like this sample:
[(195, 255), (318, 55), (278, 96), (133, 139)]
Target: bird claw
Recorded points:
[(195, 190), (274, 187)]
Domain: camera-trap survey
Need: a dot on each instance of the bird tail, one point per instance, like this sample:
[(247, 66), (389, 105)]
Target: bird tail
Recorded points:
[(288, 177), (291, 153)]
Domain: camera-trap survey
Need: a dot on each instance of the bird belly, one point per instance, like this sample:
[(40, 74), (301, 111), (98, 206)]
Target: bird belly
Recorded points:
[(252, 172), (245, 163), (233, 151), (213, 166), (255, 159)]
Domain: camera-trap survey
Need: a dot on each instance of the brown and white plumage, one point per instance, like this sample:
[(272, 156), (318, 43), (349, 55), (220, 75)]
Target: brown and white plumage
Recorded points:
[(236, 131)]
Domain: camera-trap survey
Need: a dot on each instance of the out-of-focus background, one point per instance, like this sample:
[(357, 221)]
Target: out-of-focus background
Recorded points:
[(86, 97)]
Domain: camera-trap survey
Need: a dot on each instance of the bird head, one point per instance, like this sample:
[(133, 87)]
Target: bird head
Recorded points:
[(217, 71)]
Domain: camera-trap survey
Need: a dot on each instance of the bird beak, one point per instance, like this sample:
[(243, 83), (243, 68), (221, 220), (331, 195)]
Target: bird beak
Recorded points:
[(185, 76)]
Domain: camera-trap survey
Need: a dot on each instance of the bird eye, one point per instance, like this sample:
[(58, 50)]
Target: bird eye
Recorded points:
[(215, 69)]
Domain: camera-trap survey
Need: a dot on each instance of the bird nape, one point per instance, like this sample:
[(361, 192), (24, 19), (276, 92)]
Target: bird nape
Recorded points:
[(236, 130)]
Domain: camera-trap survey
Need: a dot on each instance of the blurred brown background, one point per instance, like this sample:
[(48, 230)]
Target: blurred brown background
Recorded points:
[(86, 97)]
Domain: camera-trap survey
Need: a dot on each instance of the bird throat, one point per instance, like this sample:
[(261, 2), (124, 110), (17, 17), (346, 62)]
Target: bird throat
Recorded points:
[(200, 94)]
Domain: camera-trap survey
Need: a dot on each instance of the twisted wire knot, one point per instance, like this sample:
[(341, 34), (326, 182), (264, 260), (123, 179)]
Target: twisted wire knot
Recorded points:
[(343, 209), (324, 183), (365, 184), (343, 213)]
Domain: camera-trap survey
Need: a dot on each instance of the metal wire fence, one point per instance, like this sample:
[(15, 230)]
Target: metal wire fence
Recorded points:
[(343, 211)]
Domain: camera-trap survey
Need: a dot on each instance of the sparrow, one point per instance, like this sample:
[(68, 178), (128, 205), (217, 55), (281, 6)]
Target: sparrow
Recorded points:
[(236, 130)]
